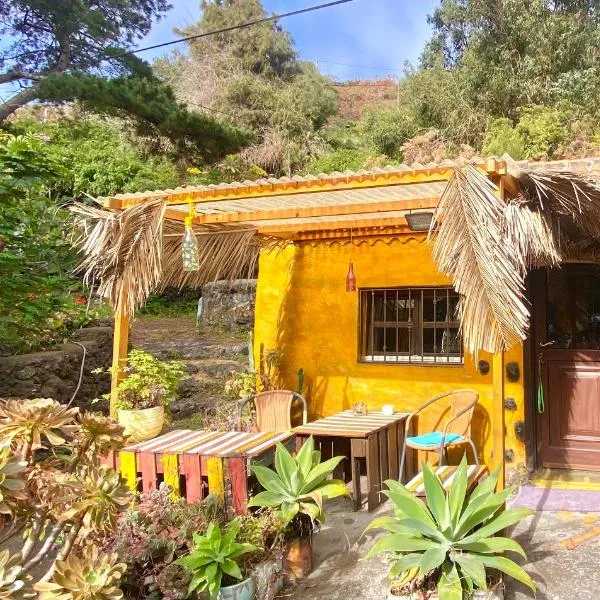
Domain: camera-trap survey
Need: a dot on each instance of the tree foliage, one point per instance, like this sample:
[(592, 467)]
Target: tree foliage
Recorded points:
[(37, 303), (251, 77), (63, 50)]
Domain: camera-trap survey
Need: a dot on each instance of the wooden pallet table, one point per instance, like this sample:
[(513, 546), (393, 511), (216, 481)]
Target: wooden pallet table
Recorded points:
[(446, 474), (193, 461), (375, 437)]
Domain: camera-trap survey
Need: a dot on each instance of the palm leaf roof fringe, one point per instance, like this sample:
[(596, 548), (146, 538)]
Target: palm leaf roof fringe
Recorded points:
[(487, 244), (131, 254)]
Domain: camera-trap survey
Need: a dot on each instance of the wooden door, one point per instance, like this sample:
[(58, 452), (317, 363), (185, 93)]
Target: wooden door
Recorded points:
[(569, 363)]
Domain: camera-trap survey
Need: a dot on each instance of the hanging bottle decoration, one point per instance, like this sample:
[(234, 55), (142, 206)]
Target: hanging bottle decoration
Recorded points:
[(350, 277), (189, 247)]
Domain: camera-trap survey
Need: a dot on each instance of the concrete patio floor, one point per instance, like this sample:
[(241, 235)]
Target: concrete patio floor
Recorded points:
[(563, 550)]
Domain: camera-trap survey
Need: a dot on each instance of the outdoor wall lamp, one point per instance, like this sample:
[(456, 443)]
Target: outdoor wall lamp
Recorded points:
[(420, 220)]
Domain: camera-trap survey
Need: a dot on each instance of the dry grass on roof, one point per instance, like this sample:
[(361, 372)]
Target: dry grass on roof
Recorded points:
[(131, 254), (486, 244)]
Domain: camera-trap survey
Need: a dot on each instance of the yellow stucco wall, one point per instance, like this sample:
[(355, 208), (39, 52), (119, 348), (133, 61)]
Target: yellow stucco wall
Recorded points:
[(304, 311)]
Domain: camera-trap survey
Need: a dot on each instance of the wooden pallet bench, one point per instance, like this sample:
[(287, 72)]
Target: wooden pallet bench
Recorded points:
[(446, 474), (197, 463)]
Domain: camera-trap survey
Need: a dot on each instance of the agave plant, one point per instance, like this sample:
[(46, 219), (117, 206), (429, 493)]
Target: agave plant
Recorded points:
[(298, 485), (91, 577), (213, 557), (26, 422), (12, 481), (451, 537), (10, 583), (103, 496)]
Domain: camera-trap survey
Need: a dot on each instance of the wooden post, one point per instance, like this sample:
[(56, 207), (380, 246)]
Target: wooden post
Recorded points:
[(120, 344), (498, 427)]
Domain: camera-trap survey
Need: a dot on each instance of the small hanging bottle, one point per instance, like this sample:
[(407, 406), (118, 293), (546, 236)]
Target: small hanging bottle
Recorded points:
[(350, 279), (189, 247)]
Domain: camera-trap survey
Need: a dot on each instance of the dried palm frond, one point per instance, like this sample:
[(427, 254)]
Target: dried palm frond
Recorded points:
[(225, 253), (473, 249), (123, 252), (564, 195), (531, 236)]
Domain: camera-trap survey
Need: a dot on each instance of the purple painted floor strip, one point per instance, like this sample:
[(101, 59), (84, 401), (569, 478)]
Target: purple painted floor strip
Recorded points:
[(538, 498)]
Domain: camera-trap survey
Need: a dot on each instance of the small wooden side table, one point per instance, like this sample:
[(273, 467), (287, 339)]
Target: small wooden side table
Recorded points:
[(375, 437)]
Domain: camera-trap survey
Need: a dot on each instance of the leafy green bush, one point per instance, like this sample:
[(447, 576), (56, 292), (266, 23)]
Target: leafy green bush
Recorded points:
[(503, 138), (148, 382), (298, 485), (386, 129), (342, 159), (213, 560), (451, 539), (40, 302)]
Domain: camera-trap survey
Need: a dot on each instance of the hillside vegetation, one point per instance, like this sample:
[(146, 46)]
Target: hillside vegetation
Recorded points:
[(496, 76)]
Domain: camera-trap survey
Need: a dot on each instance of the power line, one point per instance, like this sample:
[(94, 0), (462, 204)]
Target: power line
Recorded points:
[(234, 27), (331, 62)]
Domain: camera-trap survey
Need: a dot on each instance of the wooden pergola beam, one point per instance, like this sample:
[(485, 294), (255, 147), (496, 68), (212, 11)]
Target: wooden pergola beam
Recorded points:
[(292, 229), (315, 211)]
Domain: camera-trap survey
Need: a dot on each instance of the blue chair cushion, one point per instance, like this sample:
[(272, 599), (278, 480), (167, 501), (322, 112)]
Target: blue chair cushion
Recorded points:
[(434, 439)]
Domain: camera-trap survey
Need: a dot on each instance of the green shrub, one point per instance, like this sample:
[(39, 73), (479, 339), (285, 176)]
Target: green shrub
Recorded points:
[(450, 539), (503, 138)]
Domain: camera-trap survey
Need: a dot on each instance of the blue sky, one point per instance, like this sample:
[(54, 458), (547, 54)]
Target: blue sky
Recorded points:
[(369, 38)]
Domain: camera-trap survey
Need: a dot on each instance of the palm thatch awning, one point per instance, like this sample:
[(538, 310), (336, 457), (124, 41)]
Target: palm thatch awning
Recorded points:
[(495, 220)]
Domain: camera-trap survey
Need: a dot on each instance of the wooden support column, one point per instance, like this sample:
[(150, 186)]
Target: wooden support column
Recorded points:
[(120, 344), (498, 427)]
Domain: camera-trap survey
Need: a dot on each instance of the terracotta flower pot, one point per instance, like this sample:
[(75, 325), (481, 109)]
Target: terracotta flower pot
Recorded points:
[(298, 558), (143, 424)]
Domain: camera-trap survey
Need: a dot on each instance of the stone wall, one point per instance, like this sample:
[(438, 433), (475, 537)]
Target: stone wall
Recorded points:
[(55, 374), (229, 303)]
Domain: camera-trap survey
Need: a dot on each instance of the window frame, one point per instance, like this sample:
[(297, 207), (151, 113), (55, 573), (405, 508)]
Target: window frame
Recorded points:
[(423, 359)]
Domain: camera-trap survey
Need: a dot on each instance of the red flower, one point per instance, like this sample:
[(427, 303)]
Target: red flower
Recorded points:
[(81, 300), (31, 296)]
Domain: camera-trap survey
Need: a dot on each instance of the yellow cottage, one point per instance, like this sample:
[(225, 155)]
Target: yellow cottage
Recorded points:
[(349, 291)]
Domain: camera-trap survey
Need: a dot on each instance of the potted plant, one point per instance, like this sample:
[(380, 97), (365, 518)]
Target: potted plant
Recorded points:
[(296, 490), (146, 393), (445, 548), (214, 564)]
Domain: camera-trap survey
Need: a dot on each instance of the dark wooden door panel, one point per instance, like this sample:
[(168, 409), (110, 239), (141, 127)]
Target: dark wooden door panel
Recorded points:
[(571, 427)]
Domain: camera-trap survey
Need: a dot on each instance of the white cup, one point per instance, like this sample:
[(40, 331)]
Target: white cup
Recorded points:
[(387, 409)]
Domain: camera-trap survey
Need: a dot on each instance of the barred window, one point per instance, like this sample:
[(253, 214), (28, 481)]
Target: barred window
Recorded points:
[(410, 325)]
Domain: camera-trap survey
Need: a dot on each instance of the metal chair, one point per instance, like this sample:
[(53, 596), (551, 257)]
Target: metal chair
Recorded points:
[(456, 431), (273, 410)]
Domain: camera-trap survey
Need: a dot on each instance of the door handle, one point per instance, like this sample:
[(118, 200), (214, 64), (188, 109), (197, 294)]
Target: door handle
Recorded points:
[(547, 344)]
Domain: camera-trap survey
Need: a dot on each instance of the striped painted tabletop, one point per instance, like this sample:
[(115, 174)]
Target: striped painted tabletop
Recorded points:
[(349, 424), (211, 443), (446, 474)]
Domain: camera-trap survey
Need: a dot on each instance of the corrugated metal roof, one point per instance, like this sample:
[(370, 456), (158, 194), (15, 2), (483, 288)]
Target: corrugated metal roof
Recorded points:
[(396, 174)]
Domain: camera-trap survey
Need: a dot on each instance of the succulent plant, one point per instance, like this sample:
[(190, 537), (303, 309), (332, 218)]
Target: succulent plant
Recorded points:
[(99, 435), (91, 577), (103, 496), (10, 583), (12, 481), (298, 485), (26, 422)]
